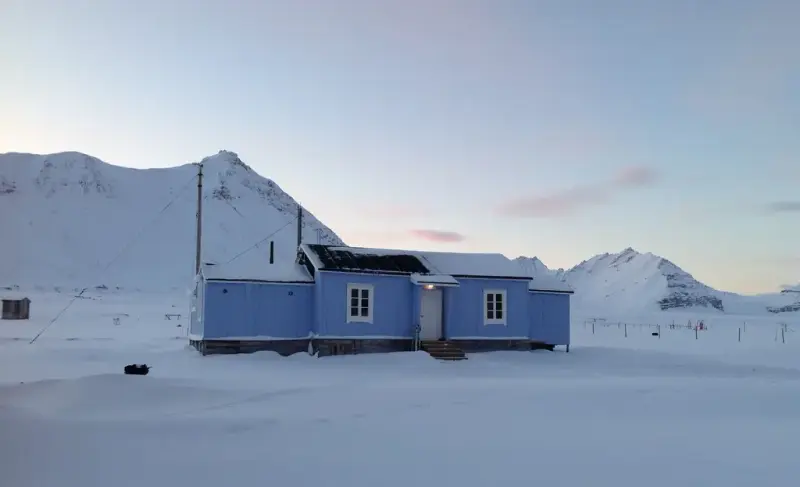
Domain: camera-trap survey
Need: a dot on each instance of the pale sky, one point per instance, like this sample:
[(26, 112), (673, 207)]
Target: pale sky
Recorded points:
[(560, 129)]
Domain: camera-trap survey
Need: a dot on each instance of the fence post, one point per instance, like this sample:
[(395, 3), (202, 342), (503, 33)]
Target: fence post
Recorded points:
[(626, 330), (740, 335), (783, 336), (659, 331), (695, 332)]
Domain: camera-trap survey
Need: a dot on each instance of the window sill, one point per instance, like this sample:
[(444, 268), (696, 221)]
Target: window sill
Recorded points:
[(490, 323), (362, 320)]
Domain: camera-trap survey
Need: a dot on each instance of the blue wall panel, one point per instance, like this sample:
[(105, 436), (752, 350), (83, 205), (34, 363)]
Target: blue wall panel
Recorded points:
[(258, 310), (550, 318), (392, 306), (464, 309)]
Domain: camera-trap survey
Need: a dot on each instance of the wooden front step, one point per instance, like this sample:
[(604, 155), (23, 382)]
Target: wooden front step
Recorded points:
[(443, 350)]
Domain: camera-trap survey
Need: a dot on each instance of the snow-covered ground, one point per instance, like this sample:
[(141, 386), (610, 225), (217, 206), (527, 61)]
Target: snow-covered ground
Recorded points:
[(616, 411)]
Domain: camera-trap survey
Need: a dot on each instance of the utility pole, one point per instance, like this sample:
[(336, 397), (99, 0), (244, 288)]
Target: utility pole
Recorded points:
[(299, 225), (199, 237)]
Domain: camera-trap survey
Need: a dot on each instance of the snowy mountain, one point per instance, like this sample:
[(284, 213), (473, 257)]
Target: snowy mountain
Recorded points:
[(791, 289), (70, 220), (630, 282), (792, 294), (535, 267)]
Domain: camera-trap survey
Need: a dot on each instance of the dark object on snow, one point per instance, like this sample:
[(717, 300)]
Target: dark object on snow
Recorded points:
[(134, 369), (655, 333), (16, 309)]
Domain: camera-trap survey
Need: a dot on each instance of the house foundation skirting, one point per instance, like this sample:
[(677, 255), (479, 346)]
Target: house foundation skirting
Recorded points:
[(324, 347), (543, 346), (283, 347), (473, 345)]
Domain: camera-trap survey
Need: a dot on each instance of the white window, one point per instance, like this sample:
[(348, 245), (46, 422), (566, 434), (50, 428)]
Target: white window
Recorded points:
[(359, 303), (494, 307)]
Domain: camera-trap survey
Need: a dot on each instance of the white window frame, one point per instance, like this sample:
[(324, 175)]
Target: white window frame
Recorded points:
[(370, 302), (504, 310)]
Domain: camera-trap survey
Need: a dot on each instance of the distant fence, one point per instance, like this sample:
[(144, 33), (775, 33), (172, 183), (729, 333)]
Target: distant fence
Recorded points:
[(782, 330)]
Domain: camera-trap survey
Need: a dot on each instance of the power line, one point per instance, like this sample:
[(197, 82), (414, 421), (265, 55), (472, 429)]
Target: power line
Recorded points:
[(139, 234), (57, 316), (260, 241), (158, 215), (233, 207)]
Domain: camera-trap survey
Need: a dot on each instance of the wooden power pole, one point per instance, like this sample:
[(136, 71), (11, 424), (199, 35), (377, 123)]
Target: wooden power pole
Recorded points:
[(199, 237)]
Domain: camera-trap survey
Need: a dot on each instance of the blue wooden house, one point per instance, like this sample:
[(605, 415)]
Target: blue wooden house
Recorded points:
[(334, 300)]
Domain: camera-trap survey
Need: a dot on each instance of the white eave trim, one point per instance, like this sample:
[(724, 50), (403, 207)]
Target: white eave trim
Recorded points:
[(438, 280), (259, 281), (550, 291)]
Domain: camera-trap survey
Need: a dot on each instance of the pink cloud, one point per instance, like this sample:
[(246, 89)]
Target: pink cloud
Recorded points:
[(572, 200), (562, 203), (438, 235), (373, 238), (635, 176)]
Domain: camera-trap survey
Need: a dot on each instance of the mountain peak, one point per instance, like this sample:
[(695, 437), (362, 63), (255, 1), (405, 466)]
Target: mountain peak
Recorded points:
[(226, 159), (75, 171), (534, 267), (630, 280), (57, 173), (74, 214), (530, 259)]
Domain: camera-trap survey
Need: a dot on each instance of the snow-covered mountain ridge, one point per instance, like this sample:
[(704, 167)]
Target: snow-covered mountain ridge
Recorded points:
[(71, 220), (631, 282)]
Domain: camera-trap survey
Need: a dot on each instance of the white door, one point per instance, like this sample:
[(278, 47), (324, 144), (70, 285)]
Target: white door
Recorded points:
[(430, 314)]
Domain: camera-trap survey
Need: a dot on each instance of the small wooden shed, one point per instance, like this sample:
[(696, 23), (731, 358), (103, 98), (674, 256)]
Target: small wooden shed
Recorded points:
[(16, 309)]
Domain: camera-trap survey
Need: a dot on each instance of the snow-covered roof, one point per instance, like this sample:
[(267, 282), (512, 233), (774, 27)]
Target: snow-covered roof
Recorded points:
[(435, 279), (280, 271), (442, 263), (462, 264), (543, 283)]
